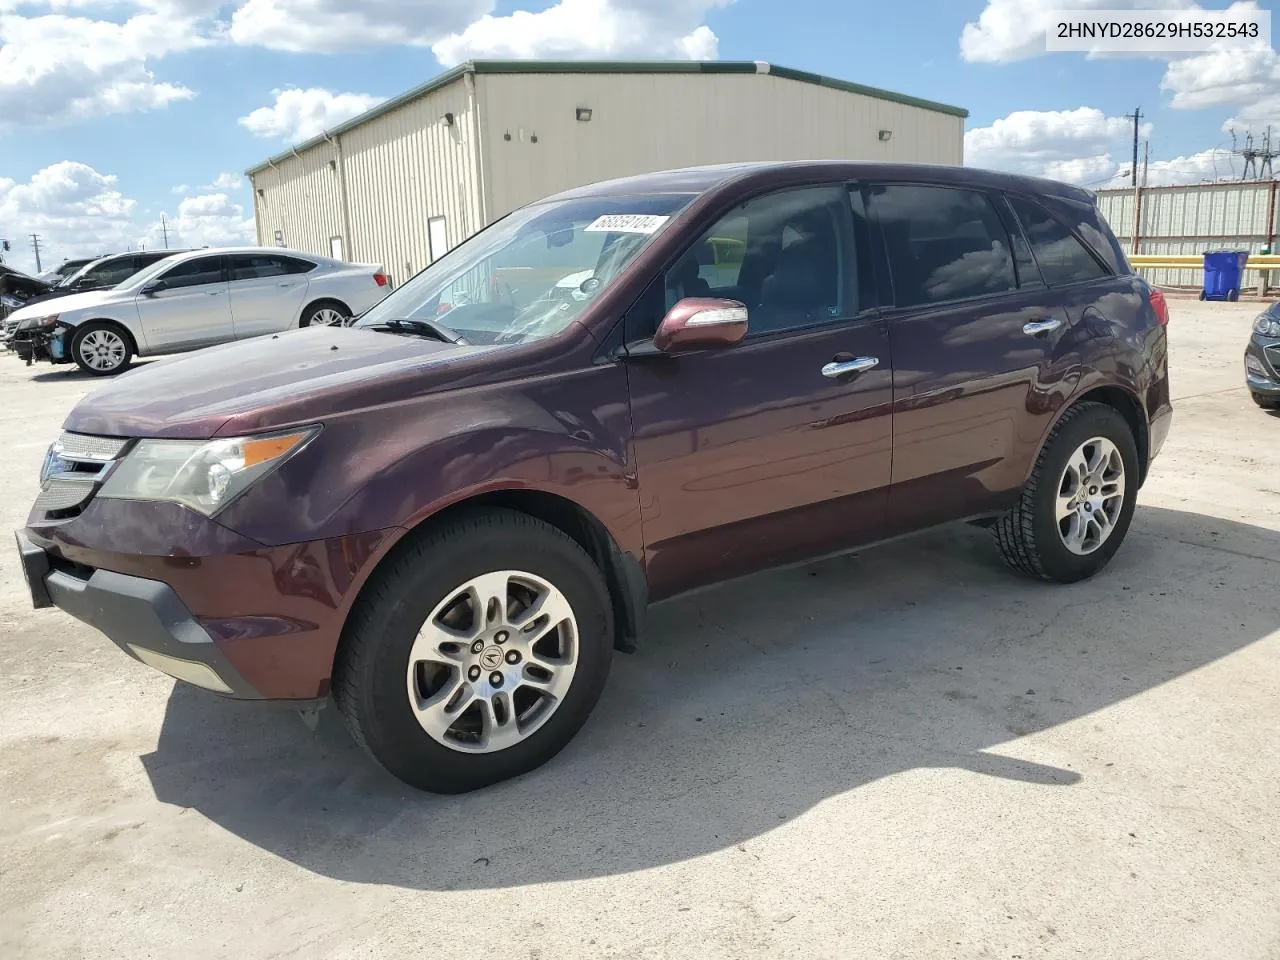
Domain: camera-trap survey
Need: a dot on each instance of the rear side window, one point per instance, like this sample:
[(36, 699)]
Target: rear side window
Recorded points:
[(1061, 256), (943, 243), (262, 266), (110, 273)]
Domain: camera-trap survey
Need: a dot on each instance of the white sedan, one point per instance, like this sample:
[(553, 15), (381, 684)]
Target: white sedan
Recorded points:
[(193, 300)]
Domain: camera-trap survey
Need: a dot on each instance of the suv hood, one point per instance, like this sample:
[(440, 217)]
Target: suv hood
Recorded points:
[(267, 382)]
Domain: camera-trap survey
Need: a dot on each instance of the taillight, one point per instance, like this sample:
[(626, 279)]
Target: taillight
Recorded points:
[(443, 308), (380, 279), (1160, 305)]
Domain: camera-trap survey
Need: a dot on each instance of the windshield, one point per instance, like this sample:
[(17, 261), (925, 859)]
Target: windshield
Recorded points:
[(530, 274)]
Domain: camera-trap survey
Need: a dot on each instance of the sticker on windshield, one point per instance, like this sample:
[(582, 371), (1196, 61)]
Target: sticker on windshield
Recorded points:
[(626, 223)]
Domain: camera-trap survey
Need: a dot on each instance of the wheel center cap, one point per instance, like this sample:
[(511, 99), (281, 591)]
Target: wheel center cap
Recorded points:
[(491, 658)]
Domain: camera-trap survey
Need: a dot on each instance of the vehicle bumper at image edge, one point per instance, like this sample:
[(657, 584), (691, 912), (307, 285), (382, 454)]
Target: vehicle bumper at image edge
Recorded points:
[(144, 618)]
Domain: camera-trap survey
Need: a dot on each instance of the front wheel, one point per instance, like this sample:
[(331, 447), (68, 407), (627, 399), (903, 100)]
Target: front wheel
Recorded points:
[(477, 654), (1076, 507), (101, 349)]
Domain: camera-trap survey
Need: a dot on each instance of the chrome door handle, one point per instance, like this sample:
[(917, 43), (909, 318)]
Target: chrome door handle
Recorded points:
[(842, 368), (1037, 327), (286, 284)]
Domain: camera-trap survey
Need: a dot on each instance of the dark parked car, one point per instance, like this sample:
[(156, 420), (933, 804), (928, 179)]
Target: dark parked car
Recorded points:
[(449, 514), (105, 273), (66, 269), (1262, 359), (16, 291)]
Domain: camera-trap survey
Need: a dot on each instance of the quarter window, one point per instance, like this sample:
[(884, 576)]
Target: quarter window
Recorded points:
[(943, 243), (194, 273), (1062, 257), (786, 255)]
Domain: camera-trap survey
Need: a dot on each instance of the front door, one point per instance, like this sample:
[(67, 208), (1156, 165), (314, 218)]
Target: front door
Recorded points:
[(190, 310), (974, 332), (267, 291), (776, 449)]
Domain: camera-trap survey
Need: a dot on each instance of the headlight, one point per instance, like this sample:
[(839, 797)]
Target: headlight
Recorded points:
[(205, 475), (1267, 325), (38, 323)]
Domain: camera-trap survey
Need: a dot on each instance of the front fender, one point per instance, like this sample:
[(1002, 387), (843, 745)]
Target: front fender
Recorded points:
[(390, 466)]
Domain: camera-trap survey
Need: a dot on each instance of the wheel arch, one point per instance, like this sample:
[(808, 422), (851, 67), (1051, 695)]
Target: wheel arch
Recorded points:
[(624, 577), (1123, 401), (321, 301)]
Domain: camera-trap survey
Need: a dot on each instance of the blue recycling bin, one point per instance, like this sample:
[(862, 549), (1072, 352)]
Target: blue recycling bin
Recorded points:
[(1223, 270)]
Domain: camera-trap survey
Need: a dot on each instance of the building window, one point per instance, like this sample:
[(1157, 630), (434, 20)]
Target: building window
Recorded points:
[(335, 248), (437, 236)]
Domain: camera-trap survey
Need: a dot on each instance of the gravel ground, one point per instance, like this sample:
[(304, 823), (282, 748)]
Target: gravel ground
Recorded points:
[(907, 753)]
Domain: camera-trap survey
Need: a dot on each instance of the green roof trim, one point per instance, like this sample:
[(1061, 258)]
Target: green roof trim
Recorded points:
[(609, 66)]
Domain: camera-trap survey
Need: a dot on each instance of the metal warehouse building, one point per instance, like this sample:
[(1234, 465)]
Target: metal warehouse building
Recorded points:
[(418, 174)]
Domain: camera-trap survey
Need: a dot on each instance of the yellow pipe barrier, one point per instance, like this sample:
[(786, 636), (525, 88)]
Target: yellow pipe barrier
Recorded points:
[(1179, 261)]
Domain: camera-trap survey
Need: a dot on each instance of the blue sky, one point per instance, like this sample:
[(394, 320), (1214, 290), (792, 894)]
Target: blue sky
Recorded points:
[(114, 112)]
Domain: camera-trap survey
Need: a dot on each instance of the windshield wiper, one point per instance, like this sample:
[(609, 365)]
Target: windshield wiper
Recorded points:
[(427, 328)]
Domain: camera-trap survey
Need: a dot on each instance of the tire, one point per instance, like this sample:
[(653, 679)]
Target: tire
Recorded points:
[(1029, 536), (325, 313), (1266, 403), (101, 349), (376, 690), (1203, 295), (1233, 295)]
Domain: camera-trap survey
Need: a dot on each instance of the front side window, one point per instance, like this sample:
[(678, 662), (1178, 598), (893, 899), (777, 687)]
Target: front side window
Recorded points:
[(529, 275), (1062, 258), (943, 243), (786, 255), (194, 273)]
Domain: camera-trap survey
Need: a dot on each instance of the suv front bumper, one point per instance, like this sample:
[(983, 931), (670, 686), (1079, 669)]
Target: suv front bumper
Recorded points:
[(144, 618)]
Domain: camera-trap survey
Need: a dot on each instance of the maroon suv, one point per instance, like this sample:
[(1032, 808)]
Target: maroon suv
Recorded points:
[(449, 514)]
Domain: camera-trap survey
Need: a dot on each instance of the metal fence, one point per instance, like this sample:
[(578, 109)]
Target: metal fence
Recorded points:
[(1188, 220)]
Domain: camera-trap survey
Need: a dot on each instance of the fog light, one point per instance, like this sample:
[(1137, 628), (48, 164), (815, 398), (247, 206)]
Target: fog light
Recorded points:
[(200, 674), (1254, 365)]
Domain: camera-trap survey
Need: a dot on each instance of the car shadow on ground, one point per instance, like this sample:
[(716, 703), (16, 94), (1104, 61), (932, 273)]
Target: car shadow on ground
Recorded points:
[(750, 703)]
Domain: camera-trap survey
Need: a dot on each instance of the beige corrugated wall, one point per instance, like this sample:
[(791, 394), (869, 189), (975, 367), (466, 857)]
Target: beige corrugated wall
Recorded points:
[(646, 122), (401, 170), (300, 199)]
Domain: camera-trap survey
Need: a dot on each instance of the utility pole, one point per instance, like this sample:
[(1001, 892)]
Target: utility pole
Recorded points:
[(165, 229), (1146, 154), (1135, 117), (35, 245)]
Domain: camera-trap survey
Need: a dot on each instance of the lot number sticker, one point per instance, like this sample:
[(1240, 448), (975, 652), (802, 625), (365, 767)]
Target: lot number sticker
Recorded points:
[(626, 223)]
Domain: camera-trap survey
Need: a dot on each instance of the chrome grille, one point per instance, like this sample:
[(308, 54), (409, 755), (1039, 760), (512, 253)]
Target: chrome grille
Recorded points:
[(73, 468), (64, 494), (81, 446)]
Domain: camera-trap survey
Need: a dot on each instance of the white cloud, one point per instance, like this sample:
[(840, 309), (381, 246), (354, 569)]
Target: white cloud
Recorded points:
[(181, 189), (589, 28), (1073, 145), (300, 114), (55, 68), (338, 26), (223, 181), (1015, 29), (78, 211)]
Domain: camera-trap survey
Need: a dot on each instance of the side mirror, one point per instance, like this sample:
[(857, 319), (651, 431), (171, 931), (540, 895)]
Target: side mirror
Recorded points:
[(699, 322), (154, 287)]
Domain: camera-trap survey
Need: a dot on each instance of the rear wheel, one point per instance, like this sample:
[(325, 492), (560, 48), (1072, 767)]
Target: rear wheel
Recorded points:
[(477, 654), (1266, 403), (1077, 506), (326, 313), (101, 349)]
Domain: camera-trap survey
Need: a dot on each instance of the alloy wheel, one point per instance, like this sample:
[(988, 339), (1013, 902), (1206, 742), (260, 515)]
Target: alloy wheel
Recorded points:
[(102, 349), (493, 661), (1090, 496), (328, 317)]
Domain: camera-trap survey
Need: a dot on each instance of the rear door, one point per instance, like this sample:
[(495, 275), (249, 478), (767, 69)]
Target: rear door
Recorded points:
[(192, 310), (267, 291), (776, 449), (974, 335)]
